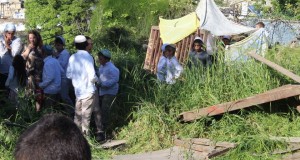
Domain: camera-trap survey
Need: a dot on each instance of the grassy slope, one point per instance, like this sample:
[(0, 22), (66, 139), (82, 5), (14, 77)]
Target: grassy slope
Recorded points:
[(154, 124)]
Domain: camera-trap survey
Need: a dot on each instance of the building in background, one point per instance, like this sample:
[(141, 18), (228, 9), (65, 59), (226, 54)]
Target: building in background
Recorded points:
[(12, 9)]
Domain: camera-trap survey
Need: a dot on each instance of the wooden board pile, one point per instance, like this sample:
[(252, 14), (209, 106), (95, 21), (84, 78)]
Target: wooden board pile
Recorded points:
[(204, 147)]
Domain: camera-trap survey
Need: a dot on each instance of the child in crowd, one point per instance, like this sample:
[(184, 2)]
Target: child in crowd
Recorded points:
[(108, 88), (63, 55), (168, 68), (51, 83), (16, 77), (198, 56)]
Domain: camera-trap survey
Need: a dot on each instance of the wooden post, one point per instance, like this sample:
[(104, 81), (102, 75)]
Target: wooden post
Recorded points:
[(276, 67)]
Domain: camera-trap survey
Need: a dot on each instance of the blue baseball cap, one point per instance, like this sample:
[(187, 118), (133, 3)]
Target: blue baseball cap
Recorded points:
[(105, 53)]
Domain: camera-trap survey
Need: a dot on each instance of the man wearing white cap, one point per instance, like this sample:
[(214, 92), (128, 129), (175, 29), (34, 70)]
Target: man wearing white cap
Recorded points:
[(81, 71), (10, 45)]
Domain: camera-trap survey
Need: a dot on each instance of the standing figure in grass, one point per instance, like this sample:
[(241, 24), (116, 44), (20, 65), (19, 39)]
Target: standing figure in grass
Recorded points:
[(108, 88), (63, 55), (51, 82), (198, 56), (10, 46), (168, 67), (16, 78), (34, 66), (89, 48), (82, 73)]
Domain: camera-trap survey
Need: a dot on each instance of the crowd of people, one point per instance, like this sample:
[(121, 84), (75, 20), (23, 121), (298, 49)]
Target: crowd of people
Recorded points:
[(47, 73)]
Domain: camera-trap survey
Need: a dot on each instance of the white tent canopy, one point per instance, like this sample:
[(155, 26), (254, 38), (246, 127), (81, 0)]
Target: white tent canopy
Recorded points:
[(213, 20)]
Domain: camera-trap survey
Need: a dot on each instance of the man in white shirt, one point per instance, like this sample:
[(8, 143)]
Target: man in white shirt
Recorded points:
[(10, 45), (51, 83), (81, 71)]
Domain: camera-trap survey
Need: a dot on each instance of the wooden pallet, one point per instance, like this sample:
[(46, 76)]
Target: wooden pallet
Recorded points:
[(154, 48)]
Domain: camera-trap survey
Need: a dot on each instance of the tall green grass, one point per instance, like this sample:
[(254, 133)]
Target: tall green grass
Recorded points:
[(153, 121), (146, 111)]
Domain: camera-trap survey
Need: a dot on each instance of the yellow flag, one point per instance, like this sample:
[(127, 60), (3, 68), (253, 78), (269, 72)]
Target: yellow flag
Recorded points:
[(172, 31)]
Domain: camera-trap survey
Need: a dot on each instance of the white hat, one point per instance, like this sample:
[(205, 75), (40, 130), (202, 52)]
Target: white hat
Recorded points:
[(80, 39), (198, 38), (10, 27)]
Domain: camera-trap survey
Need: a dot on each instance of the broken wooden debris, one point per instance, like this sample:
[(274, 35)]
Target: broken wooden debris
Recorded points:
[(205, 146), (292, 152), (286, 139), (173, 153), (298, 108), (268, 96), (110, 144), (292, 156)]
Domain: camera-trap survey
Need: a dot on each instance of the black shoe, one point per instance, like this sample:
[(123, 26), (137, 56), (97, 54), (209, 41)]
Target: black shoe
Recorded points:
[(100, 138)]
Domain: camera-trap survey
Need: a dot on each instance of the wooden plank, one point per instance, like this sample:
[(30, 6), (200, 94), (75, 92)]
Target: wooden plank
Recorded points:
[(291, 148), (208, 142), (174, 153), (287, 139), (112, 144), (218, 152), (292, 156), (269, 96), (149, 55), (199, 148), (276, 67)]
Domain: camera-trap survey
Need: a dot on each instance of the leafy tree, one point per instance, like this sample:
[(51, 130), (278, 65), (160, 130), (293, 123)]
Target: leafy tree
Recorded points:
[(59, 17), (131, 20), (288, 9)]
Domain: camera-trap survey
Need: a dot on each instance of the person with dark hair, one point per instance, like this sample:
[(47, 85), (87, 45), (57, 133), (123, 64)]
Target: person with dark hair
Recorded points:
[(259, 25), (53, 137), (51, 81), (16, 78), (108, 88), (34, 66), (81, 71), (63, 55), (10, 46), (89, 48), (168, 67), (198, 56)]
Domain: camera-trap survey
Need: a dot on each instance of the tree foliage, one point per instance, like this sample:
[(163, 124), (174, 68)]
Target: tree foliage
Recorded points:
[(59, 17), (287, 9), (122, 21)]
